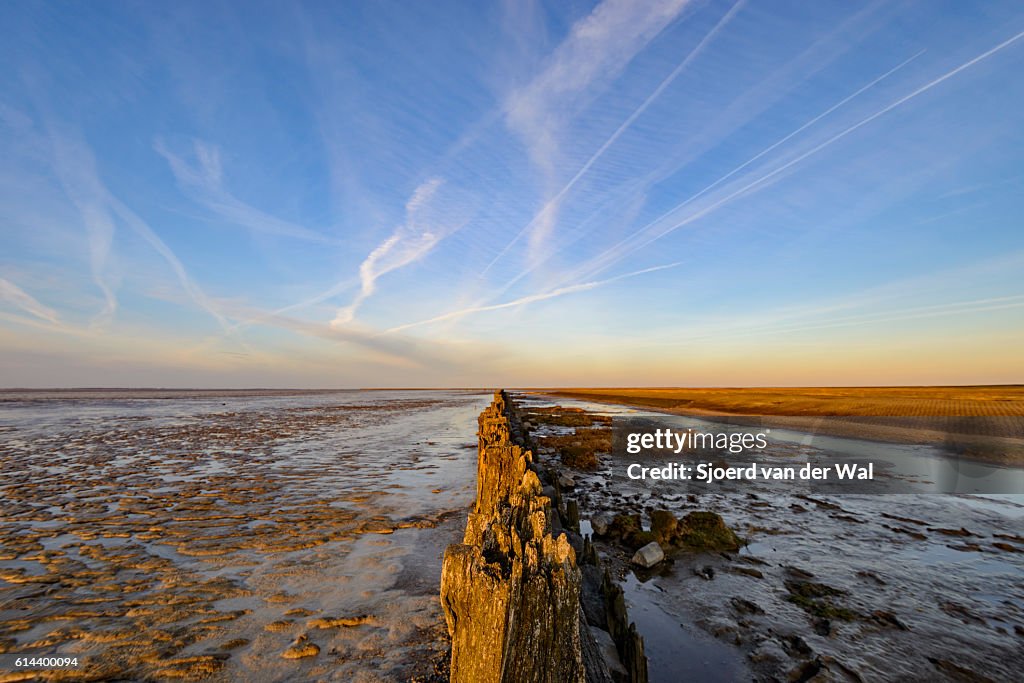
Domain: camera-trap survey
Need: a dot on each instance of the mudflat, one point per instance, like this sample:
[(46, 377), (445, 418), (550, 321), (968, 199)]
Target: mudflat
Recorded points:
[(258, 536), (823, 586)]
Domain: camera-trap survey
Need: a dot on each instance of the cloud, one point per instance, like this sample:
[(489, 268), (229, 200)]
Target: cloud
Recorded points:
[(590, 267), (542, 223), (77, 171), (392, 350), (411, 241), (597, 49), (529, 299), (193, 290), (203, 182), (19, 298), (649, 233)]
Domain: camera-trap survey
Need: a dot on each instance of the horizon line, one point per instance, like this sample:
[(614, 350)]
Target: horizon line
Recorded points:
[(512, 387)]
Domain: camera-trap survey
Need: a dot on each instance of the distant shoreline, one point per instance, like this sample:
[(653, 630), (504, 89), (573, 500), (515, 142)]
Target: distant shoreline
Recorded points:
[(18, 395)]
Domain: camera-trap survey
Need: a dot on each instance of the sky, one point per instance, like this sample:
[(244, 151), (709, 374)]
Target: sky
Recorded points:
[(614, 193)]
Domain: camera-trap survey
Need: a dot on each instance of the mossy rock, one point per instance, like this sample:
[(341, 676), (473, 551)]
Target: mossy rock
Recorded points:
[(639, 539), (812, 589), (623, 526), (814, 598), (664, 526), (579, 457), (706, 531)]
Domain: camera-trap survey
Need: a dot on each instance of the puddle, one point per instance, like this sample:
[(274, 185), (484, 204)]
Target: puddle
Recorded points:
[(674, 650)]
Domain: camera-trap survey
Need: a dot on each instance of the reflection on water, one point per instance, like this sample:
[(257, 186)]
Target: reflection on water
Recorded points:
[(677, 651)]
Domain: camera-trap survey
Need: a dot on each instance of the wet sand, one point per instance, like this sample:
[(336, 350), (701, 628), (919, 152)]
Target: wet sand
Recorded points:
[(260, 536), (848, 587)]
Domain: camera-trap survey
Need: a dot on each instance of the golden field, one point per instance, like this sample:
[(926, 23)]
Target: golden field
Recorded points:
[(977, 422), (964, 401)]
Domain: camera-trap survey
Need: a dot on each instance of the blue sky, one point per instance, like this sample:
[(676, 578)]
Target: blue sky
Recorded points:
[(517, 193)]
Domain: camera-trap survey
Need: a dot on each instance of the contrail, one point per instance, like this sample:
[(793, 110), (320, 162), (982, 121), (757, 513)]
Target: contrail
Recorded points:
[(553, 202), (193, 290), (893, 315), (799, 130), (815, 150), (532, 298), (739, 168)]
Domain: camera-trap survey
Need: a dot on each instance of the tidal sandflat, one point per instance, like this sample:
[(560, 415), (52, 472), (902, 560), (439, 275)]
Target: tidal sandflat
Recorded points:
[(844, 587), (250, 536)]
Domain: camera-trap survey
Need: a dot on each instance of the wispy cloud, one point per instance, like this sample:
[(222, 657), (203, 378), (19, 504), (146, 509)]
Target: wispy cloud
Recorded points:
[(597, 49), (203, 181), (80, 178), (410, 242), (194, 291), (652, 232), (21, 299), (722, 122), (349, 193), (603, 259), (76, 169), (530, 299), (543, 221), (395, 350)]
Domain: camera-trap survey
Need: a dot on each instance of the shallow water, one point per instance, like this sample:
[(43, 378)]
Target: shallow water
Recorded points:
[(180, 536), (931, 593)]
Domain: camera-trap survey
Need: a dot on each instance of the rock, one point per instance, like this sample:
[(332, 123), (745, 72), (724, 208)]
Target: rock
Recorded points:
[(648, 556), (706, 531), (571, 518), (747, 571), (639, 539), (591, 598), (623, 631), (623, 526), (235, 643), (768, 651), (806, 671), (796, 646), (566, 481), (282, 625), (599, 524), (336, 622), (663, 526), (744, 606), (609, 652), (887, 618), (956, 672), (707, 573), (301, 648)]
